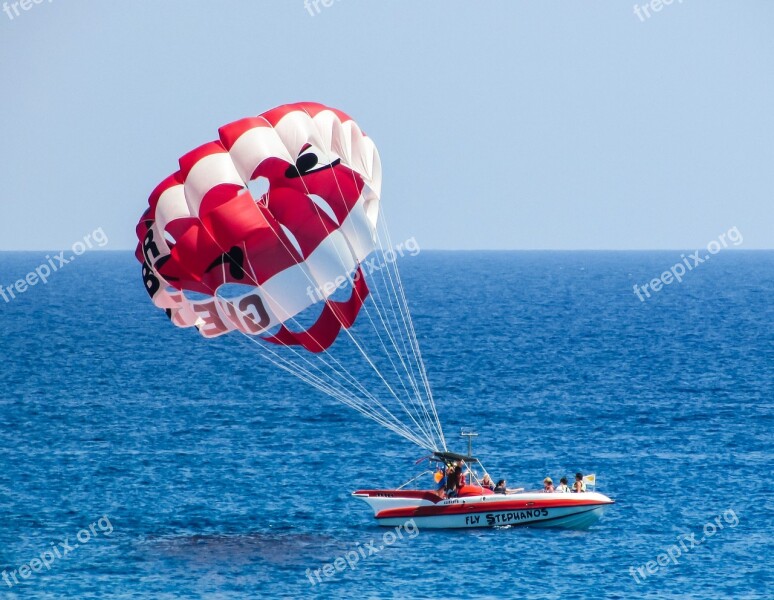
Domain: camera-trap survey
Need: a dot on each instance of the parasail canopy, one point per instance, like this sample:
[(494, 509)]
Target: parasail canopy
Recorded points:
[(266, 232)]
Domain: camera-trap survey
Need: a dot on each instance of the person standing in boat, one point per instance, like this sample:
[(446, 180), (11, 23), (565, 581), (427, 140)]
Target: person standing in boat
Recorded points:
[(440, 479), (460, 475), (451, 481), (563, 487), (579, 485)]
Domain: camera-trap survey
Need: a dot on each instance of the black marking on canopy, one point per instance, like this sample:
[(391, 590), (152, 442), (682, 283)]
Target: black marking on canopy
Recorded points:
[(159, 264), (305, 166), (234, 258)]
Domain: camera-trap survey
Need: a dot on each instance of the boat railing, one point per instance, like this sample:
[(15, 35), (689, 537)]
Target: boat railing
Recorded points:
[(413, 479)]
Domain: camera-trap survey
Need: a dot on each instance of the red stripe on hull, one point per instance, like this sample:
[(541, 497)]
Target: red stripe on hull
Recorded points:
[(479, 507)]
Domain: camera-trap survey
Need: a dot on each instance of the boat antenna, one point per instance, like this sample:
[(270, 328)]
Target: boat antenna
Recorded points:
[(470, 434)]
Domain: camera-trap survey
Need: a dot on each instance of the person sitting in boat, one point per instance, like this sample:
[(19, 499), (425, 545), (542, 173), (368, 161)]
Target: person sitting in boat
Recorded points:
[(563, 487), (500, 487), (579, 485), (548, 485), (487, 482)]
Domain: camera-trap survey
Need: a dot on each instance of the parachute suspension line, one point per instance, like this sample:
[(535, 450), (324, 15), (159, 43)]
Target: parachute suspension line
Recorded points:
[(397, 427), (341, 395), (405, 313), (376, 293), (408, 368), (411, 365), (415, 389), (422, 412), (410, 328), (406, 317), (333, 391), (408, 324), (425, 427), (362, 352), (351, 379), (358, 344)]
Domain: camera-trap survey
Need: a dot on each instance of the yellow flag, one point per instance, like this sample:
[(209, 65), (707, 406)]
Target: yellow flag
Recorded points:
[(590, 479)]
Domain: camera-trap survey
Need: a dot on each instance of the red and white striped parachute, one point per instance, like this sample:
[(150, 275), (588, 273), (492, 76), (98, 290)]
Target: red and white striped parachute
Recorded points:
[(219, 258), (203, 229)]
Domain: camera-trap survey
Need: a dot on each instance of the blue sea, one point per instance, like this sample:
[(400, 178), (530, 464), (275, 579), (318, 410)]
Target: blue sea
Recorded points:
[(159, 465)]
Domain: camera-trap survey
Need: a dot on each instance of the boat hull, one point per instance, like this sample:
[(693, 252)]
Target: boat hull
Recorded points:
[(532, 509)]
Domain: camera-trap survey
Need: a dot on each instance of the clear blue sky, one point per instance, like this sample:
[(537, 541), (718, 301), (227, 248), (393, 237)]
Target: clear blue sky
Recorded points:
[(510, 124)]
